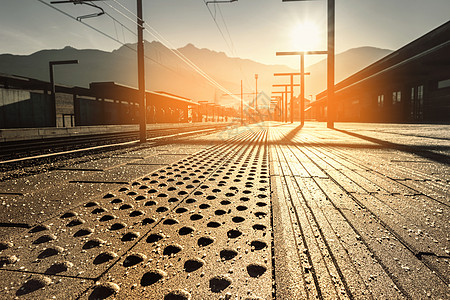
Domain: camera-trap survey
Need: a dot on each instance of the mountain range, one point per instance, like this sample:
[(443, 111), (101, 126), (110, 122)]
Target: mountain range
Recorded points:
[(165, 71)]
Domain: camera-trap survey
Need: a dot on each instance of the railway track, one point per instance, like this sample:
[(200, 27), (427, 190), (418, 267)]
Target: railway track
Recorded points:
[(29, 149)]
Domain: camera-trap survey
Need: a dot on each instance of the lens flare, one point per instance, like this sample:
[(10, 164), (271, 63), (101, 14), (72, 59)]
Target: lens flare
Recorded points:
[(305, 36)]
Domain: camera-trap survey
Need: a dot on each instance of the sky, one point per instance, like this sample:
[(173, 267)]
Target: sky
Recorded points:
[(254, 29)]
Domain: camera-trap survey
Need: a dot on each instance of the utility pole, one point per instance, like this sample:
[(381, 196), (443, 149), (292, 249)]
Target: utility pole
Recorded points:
[(302, 84), (141, 74), (330, 60), (291, 85), (256, 93), (242, 105), (330, 65)]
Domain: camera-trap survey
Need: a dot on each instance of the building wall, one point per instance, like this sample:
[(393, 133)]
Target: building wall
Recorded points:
[(24, 109)]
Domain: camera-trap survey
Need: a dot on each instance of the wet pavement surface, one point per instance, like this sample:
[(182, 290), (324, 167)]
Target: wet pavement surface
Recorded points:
[(257, 212)]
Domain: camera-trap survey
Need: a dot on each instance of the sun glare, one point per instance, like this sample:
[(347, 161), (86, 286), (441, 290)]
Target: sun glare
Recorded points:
[(305, 36)]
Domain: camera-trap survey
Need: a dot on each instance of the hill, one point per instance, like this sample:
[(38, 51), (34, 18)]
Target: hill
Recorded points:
[(167, 72)]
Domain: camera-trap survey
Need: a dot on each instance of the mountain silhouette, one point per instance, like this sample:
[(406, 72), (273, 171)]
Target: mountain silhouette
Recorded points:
[(165, 71)]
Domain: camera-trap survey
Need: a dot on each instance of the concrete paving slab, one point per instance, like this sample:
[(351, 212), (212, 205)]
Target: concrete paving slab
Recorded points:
[(101, 164)]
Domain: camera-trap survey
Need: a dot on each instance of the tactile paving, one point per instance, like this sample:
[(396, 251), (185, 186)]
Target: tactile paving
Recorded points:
[(200, 228)]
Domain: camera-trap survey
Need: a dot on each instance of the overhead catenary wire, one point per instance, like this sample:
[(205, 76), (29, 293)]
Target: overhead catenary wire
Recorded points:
[(153, 32), (229, 44), (105, 34), (160, 38)]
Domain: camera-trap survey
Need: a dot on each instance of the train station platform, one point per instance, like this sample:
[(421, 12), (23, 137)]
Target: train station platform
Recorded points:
[(262, 211)]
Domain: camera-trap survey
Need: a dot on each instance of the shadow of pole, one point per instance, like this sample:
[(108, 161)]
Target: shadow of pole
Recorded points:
[(421, 151)]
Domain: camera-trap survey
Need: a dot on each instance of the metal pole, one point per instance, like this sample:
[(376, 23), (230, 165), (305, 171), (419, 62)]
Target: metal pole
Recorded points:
[(256, 94), (141, 74), (330, 66), (302, 89), (292, 98), (242, 105), (286, 104), (52, 96)]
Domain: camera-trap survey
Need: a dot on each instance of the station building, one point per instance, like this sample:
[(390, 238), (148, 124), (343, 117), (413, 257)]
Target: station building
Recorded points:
[(411, 84), (27, 103)]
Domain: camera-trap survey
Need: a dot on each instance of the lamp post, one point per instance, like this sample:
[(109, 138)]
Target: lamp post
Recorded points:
[(330, 60), (242, 104), (256, 93), (52, 82)]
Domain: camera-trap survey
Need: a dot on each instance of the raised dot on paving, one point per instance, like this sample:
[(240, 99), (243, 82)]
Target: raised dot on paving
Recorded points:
[(7, 260), (152, 277), (172, 250), (91, 204), (134, 259), (136, 213), (93, 243), (219, 283), (227, 254), (150, 203), (98, 211), (83, 232), (196, 217), (148, 221), (5, 245), (178, 295), (258, 245), (162, 209), (129, 236), (125, 206), (45, 238), (75, 222), (59, 268), (107, 218), (204, 241), (116, 201), (181, 210), (260, 214), (39, 228), (68, 215), (170, 222), (234, 233), (220, 212), (238, 219), (51, 251), (213, 224), (33, 284), (255, 270), (154, 237), (117, 226), (104, 257), (104, 290), (192, 265)]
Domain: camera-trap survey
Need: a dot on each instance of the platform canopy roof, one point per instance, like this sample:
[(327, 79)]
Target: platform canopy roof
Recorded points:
[(116, 91)]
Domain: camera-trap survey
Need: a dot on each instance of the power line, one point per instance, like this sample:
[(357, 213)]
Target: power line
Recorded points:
[(159, 37), (171, 48), (232, 47), (105, 34)]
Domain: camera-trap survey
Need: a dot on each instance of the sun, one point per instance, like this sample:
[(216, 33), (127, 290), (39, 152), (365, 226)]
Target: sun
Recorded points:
[(305, 36)]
